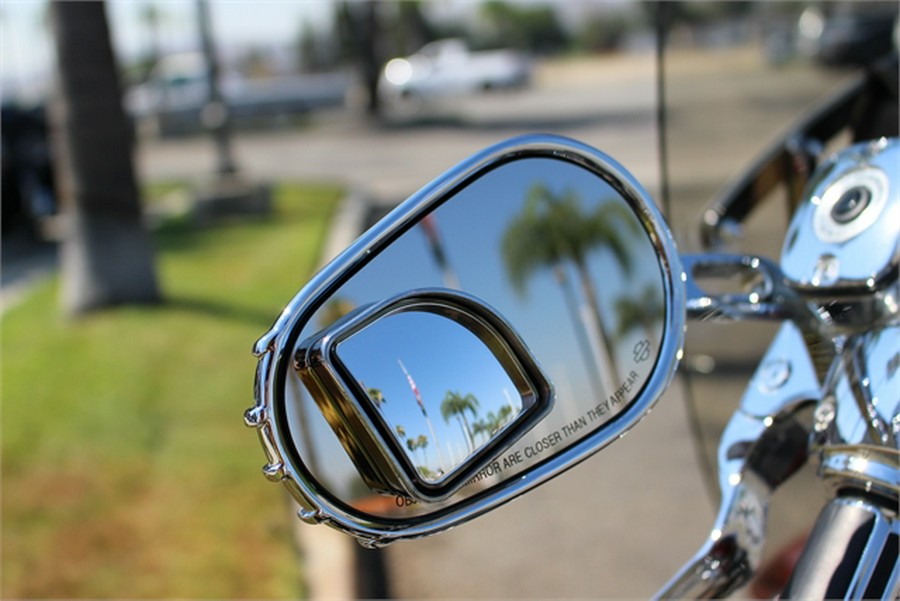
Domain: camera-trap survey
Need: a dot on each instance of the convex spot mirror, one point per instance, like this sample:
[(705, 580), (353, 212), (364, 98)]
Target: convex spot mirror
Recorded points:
[(356, 373), (513, 317)]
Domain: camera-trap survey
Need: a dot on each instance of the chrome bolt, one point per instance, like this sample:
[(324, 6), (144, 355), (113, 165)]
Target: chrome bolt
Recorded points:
[(823, 416), (254, 416), (774, 374)]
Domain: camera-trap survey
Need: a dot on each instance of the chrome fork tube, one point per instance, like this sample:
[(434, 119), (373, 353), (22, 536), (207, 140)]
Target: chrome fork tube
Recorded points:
[(851, 554)]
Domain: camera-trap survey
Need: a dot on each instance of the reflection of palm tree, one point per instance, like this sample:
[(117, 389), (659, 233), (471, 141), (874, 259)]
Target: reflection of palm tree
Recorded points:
[(552, 230), (456, 405), (377, 397), (421, 443), (481, 429), (414, 444), (491, 424), (503, 415), (644, 312)]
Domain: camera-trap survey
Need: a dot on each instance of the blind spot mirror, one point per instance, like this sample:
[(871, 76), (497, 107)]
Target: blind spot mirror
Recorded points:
[(516, 315), (423, 390)]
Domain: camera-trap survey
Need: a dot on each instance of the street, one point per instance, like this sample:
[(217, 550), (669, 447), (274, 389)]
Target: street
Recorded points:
[(391, 162)]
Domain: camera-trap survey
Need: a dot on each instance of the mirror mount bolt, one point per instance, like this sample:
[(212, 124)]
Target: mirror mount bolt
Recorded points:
[(274, 472), (255, 416)]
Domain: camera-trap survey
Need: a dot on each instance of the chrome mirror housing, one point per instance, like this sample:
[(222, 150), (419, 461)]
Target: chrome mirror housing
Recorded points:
[(516, 315)]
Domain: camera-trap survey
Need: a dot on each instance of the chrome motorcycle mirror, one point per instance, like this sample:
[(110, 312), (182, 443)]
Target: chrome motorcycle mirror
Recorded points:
[(516, 315)]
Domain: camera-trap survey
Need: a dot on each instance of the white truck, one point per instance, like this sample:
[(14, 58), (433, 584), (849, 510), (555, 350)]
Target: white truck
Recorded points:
[(172, 100), (449, 68)]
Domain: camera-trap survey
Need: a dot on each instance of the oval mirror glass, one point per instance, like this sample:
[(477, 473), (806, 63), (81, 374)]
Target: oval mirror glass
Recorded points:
[(560, 322)]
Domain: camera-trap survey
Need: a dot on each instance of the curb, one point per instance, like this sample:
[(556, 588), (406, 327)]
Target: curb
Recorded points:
[(334, 566)]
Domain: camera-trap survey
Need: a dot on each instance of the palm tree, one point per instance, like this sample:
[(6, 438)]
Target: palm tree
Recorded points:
[(421, 443), (377, 397), (456, 405), (220, 127), (107, 256), (482, 429), (150, 17), (414, 444), (361, 34), (553, 230), (502, 418)]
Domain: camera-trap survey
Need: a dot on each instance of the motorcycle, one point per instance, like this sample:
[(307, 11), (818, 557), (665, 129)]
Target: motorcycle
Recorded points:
[(527, 308)]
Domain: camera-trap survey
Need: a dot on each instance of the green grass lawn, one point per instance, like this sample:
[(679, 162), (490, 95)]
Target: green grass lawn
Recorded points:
[(127, 471)]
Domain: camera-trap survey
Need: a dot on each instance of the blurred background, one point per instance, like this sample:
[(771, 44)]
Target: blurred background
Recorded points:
[(174, 171)]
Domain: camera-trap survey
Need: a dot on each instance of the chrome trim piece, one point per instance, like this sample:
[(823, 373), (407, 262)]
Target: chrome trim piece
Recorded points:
[(857, 429), (864, 389), (769, 298), (275, 348), (825, 252), (871, 469), (762, 446), (851, 554)]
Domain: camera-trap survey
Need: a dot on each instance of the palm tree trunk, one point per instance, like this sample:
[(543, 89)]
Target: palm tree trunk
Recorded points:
[(469, 436), (584, 342), (370, 58), (106, 254), (216, 109), (606, 361)]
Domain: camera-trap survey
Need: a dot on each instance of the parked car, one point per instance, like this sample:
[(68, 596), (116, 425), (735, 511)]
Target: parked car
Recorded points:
[(173, 98), (28, 194), (847, 32), (449, 68)]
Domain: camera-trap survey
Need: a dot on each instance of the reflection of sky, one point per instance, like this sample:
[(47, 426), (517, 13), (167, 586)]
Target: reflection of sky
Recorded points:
[(440, 356), (471, 227)]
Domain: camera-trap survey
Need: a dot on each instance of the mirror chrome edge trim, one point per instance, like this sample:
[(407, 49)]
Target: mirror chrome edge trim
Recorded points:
[(274, 349)]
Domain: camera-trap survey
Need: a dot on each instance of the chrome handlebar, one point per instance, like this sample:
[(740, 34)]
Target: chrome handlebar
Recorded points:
[(837, 290), (762, 446)]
